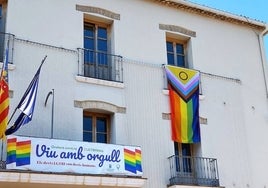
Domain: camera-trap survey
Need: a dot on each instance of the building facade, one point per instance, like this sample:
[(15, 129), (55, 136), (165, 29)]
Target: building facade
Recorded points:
[(103, 81)]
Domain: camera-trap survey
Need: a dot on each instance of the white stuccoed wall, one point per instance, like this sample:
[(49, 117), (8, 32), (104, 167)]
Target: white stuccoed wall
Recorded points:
[(237, 114)]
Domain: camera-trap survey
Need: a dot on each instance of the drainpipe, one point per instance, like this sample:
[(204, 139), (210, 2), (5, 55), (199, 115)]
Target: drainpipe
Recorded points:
[(263, 57)]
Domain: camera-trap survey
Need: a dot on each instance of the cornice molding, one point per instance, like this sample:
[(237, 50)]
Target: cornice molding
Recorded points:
[(212, 13)]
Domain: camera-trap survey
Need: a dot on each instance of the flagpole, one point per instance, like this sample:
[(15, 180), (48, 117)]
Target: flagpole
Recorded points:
[(2, 151), (26, 91), (52, 111), (52, 115)]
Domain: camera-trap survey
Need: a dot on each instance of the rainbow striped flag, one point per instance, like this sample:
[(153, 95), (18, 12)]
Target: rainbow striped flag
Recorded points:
[(138, 160), (132, 160), (18, 152), (183, 85), (11, 150)]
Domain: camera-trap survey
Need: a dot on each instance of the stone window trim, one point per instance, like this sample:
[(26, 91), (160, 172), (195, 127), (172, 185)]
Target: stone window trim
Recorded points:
[(202, 120), (178, 29), (97, 10), (99, 105)]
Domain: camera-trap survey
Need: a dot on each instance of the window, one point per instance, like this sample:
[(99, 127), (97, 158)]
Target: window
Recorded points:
[(96, 57), (176, 53), (95, 39), (1, 16), (183, 153), (2, 36), (96, 127)]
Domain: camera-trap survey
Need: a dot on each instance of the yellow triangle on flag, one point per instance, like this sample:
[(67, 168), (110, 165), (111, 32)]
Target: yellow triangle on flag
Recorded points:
[(183, 74)]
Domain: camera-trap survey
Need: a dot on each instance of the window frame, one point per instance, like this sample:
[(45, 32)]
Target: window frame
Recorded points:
[(94, 116), (176, 42), (2, 30), (1, 11), (96, 26), (97, 61)]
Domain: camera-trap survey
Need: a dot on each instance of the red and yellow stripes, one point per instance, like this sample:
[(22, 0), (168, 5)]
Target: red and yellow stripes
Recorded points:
[(4, 99)]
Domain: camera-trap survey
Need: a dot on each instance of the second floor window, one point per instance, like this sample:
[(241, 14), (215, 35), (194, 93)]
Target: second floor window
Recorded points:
[(95, 40), (175, 54), (1, 17), (96, 58), (96, 127), (2, 36)]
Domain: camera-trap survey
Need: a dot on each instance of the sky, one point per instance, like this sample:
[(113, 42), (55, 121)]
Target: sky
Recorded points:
[(254, 9)]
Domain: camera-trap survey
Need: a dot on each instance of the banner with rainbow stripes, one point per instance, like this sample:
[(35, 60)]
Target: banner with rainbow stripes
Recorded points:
[(183, 85), (18, 152), (51, 155), (133, 160)]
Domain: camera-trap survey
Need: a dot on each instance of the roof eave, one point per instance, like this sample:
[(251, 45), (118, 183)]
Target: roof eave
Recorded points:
[(213, 13)]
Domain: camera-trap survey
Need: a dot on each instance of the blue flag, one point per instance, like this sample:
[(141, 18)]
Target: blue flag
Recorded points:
[(26, 104)]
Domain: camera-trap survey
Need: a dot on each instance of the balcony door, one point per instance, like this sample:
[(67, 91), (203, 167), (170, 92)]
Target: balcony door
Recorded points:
[(96, 62), (183, 158)]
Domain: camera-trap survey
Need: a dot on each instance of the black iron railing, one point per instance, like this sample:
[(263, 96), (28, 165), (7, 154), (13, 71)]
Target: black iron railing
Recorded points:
[(95, 64), (200, 171)]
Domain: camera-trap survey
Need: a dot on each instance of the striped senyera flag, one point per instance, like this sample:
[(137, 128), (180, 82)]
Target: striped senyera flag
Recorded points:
[(4, 97), (183, 85)]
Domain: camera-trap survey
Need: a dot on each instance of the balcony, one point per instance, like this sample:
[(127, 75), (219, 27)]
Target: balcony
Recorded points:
[(99, 65), (28, 161), (195, 171)]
